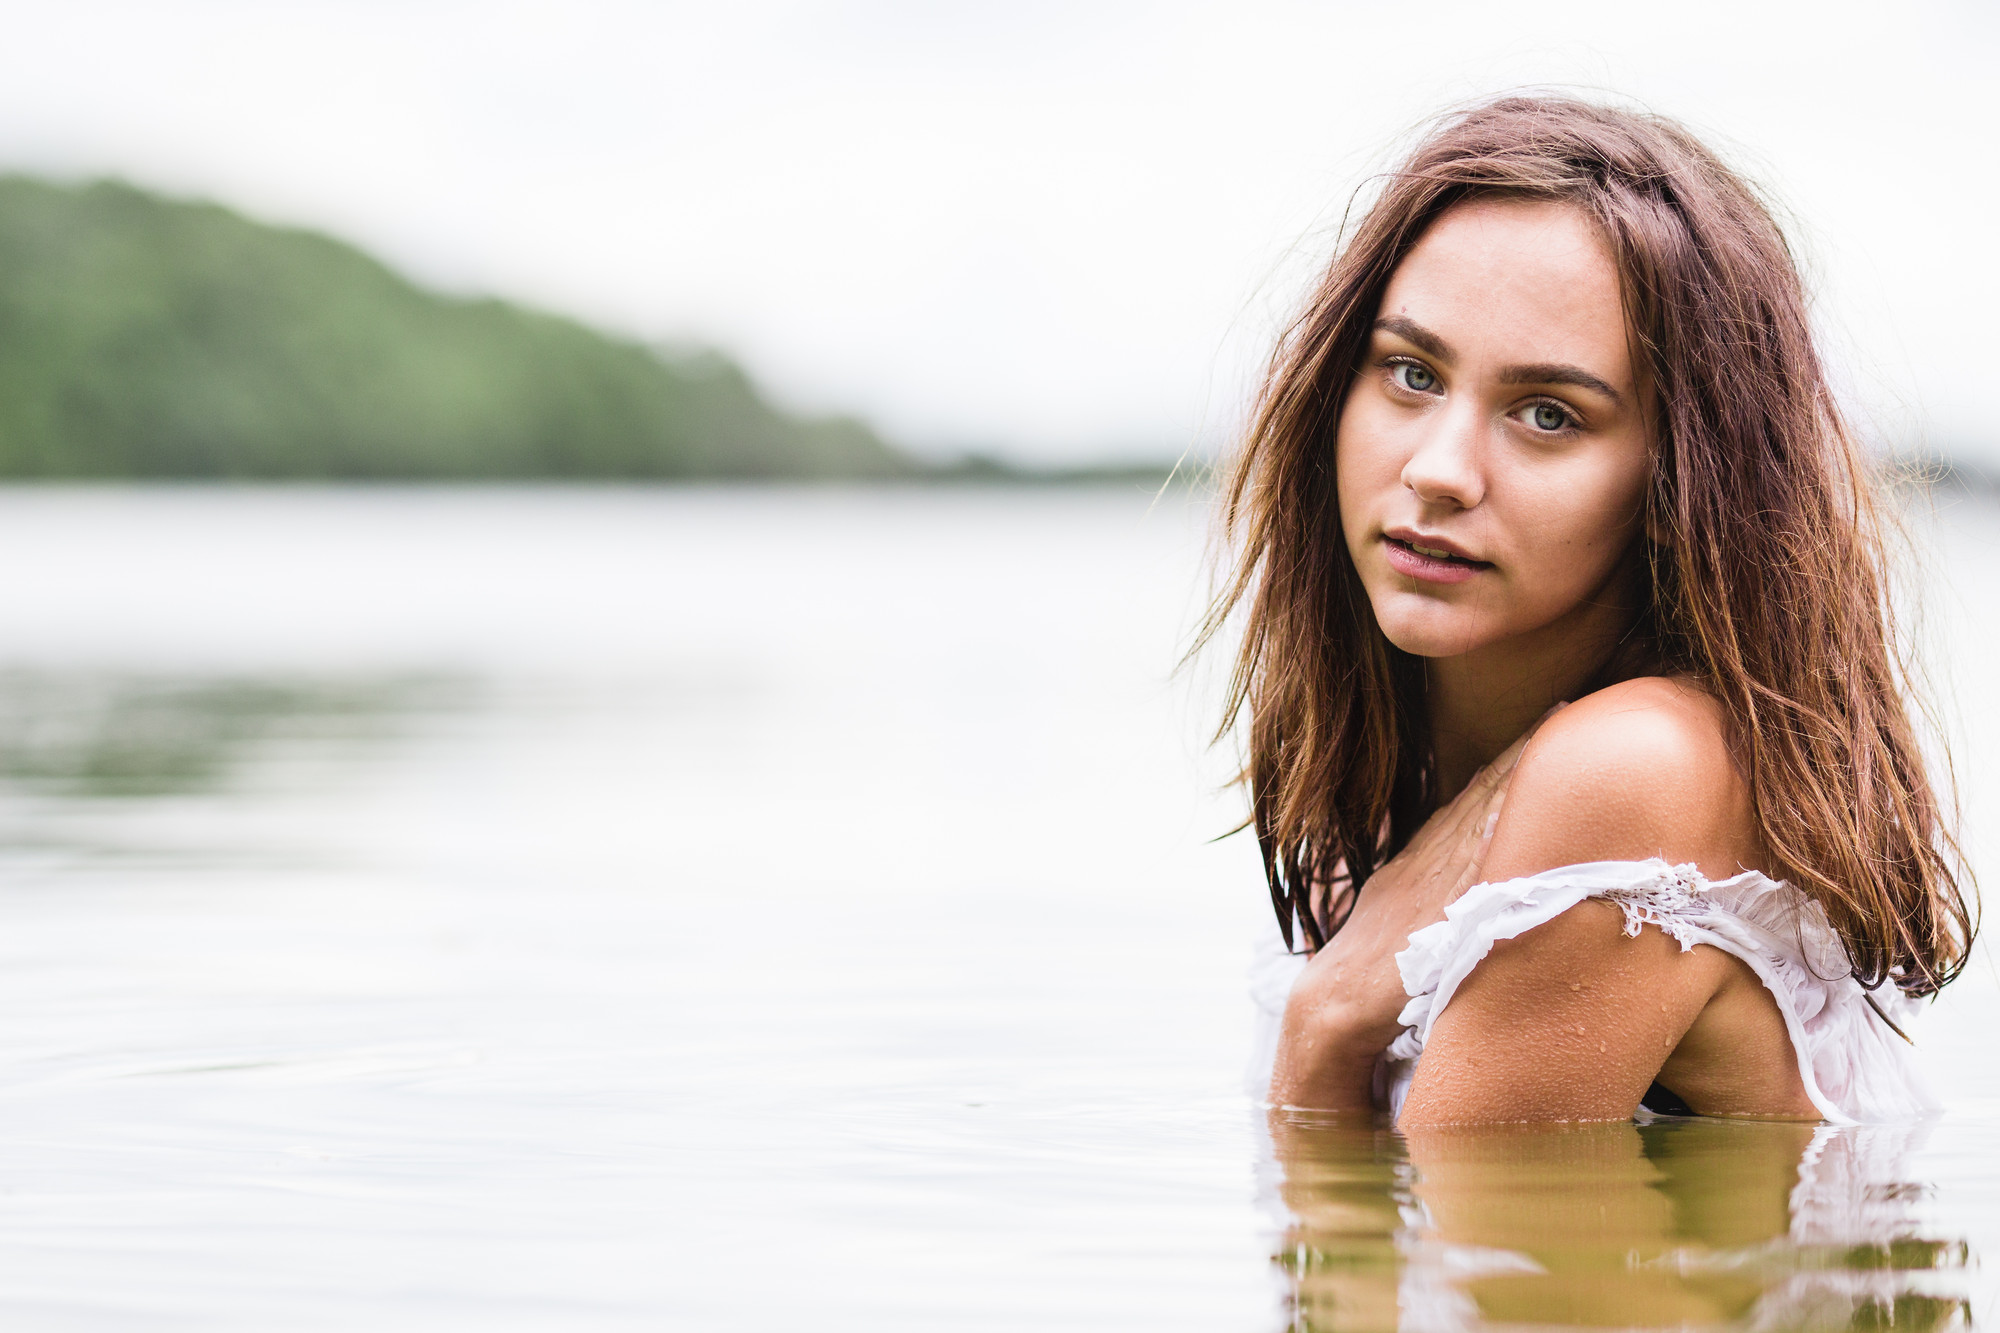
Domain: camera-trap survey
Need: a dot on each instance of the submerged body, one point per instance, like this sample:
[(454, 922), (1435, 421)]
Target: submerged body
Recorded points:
[(1673, 1223)]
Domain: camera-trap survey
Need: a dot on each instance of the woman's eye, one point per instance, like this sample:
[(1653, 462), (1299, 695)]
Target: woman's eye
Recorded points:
[(1413, 377), (1547, 416)]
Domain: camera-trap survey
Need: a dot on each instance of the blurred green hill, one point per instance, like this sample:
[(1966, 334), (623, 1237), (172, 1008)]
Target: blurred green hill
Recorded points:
[(148, 337)]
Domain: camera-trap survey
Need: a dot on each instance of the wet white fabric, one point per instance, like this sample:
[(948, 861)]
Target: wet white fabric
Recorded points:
[(1855, 1069)]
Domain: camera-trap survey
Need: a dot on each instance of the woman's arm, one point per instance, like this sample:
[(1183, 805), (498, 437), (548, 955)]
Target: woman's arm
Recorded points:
[(1571, 1021), (1574, 1019), (1343, 1012)]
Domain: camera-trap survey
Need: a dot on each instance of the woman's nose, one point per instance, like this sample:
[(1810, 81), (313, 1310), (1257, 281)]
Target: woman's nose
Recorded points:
[(1445, 469)]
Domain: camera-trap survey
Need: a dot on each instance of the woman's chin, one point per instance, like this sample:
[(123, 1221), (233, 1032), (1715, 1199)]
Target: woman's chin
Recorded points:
[(1435, 635)]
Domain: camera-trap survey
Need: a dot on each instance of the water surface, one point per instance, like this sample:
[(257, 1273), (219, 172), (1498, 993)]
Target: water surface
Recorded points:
[(717, 909)]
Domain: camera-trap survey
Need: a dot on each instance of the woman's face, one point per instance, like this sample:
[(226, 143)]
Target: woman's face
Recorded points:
[(1493, 452)]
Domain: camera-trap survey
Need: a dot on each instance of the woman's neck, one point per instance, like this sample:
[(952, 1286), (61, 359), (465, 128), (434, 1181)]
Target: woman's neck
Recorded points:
[(1481, 700)]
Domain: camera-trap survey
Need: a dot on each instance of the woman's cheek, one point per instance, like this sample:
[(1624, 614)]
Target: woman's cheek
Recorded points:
[(1583, 532), (1368, 463), (1354, 484)]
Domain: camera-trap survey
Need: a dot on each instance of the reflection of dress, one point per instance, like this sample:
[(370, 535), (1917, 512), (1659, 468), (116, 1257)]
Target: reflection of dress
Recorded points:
[(1854, 1234), (1855, 1195), (1855, 1069)]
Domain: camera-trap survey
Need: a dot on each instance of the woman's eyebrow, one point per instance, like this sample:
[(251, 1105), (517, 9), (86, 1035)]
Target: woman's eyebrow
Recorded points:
[(1546, 372), (1416, 335), (1550, 373)]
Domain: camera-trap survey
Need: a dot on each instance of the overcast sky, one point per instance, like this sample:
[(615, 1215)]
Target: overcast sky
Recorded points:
[(1063, 230)]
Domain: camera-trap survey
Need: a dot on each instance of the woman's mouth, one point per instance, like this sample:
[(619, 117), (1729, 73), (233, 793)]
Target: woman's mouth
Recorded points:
[(1431, 564)]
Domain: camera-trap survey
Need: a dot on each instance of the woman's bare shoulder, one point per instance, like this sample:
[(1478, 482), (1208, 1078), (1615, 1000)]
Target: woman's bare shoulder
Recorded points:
[(1637, 770), (1574, 1018)]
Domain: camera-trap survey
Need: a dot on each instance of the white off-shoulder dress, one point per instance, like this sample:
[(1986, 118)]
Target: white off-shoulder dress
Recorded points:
[(1855, 1068)]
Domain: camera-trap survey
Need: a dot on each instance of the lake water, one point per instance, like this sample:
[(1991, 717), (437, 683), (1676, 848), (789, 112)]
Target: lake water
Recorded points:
[(762, 909)]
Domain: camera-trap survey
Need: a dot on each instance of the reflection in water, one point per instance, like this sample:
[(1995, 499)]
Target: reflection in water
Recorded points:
[(81, 734), (1678, 1223)]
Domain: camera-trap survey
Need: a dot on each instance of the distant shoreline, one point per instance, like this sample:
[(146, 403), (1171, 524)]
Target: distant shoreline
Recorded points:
[(942, 479), (156, 338)]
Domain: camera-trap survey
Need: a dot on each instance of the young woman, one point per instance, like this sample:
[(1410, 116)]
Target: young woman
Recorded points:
[(1578, 749)]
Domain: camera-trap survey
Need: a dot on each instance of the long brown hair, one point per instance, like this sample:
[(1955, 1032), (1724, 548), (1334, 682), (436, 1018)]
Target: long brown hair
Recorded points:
[(1762, 538)]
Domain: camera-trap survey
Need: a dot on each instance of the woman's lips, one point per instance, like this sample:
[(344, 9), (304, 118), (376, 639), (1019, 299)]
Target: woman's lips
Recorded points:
[(1405, 559)]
